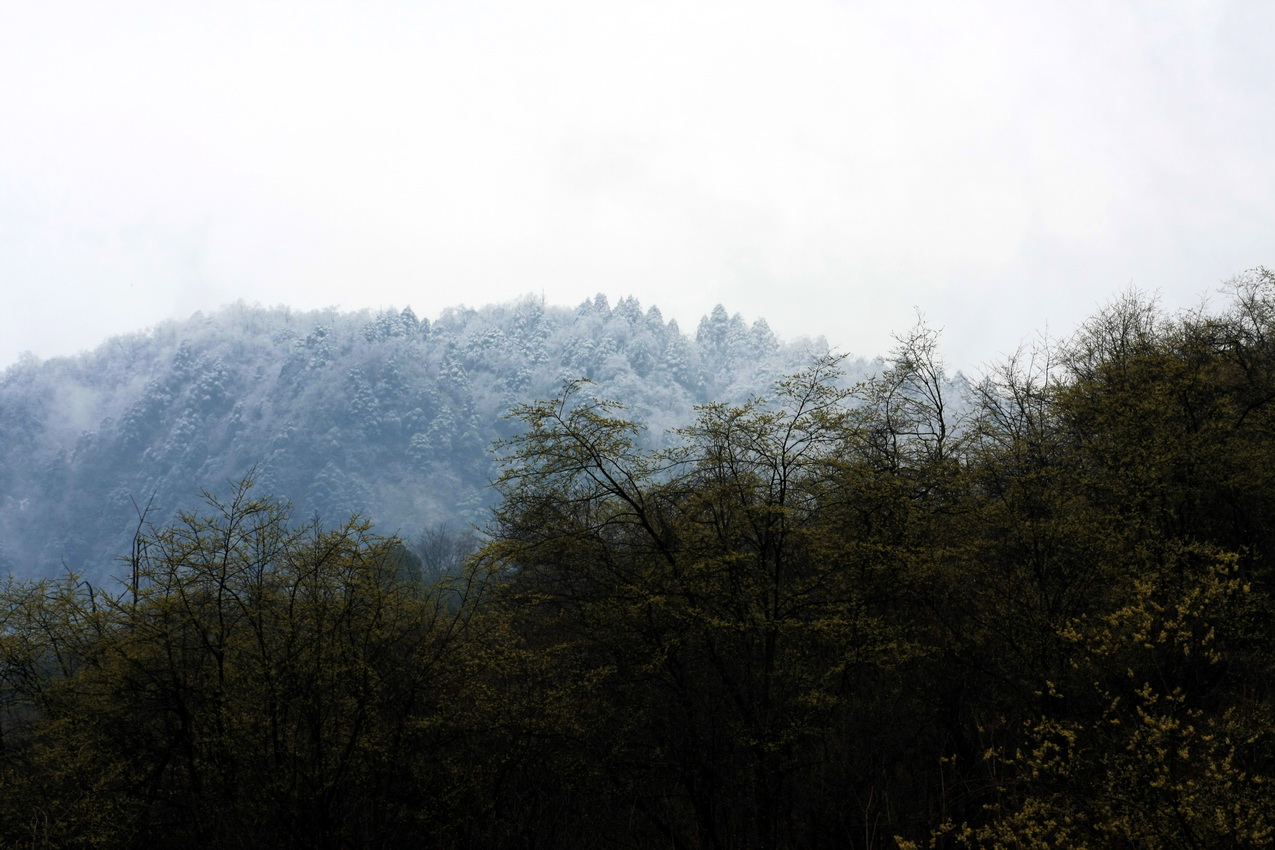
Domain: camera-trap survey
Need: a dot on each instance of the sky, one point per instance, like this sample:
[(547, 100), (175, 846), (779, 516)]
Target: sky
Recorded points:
[(1006, 168)]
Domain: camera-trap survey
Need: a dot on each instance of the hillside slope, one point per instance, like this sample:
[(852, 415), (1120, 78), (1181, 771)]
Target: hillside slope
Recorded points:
[(386, 415)]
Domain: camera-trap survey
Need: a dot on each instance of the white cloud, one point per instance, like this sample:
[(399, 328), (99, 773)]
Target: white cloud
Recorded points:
[(825, 165)]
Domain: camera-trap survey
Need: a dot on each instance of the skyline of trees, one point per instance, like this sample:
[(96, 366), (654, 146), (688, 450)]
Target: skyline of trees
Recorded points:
[(902, 611)]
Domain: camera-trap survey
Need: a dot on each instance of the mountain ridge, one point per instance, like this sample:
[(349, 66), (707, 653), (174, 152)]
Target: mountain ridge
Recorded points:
[(382, 414)]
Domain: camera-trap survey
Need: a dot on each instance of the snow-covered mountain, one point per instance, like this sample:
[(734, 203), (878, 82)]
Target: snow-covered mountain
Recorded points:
[(387, 415)]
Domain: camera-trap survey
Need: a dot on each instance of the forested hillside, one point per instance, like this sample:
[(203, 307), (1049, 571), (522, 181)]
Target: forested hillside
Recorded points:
[(390, 416), (862, 614)]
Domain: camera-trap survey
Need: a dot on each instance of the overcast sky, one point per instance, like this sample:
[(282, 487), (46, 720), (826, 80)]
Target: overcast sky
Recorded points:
[(829, 166)]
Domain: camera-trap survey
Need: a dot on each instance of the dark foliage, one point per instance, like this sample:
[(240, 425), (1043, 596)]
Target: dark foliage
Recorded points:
[(870, 615)]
